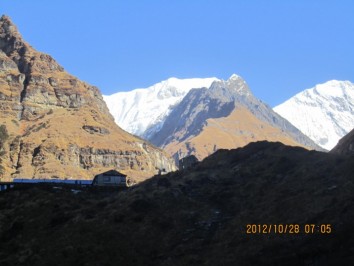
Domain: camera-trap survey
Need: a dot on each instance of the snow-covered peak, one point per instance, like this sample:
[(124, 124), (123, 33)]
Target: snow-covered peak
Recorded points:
[(325, 113), (234, 77), (235, 83), (188, 83), (333, 88), (140, 109)]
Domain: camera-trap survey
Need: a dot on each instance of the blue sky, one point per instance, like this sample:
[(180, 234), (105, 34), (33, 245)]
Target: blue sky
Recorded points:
[(279, 47)]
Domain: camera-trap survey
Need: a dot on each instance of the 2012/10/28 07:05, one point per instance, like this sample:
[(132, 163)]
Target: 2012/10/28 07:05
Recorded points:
[(288, 229)]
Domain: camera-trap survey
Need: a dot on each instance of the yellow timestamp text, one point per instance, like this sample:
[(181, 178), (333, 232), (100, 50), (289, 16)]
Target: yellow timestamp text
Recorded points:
[(289, 229)]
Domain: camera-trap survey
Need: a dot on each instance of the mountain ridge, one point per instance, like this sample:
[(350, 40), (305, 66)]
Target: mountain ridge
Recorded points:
[(59, 126), (197, 115), (324, 112), (142, 111)]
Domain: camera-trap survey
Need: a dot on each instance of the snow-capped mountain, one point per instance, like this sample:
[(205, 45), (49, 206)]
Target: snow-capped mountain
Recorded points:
[(143, 111), (224, 116), (324, 113)]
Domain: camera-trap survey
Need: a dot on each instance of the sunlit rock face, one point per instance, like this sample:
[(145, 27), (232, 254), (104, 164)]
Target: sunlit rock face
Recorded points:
[(60, 126)]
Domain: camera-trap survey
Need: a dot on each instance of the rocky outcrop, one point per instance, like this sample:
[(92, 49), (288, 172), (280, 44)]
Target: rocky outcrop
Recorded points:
[(345, 145), (60, 126), (93, 130)]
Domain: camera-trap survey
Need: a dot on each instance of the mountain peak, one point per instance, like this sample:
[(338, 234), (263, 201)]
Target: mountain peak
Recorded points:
[(333, 88), (141, 111), (7, 27), (5, 18), (10, 38), (235, 84), (45, 108), (234, 77), (323, 112)]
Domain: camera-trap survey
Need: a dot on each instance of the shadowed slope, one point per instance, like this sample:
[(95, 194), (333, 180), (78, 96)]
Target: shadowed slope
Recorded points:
[(194, 217)]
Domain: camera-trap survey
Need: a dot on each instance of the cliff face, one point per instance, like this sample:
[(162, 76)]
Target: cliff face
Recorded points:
[(345, 145), (60, 126)]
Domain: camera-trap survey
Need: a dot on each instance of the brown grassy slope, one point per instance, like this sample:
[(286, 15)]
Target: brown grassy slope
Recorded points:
[(196, 217), (236, 130)]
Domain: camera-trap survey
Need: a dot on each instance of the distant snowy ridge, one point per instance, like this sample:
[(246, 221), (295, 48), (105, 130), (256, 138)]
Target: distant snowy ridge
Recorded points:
[(143, 111), (324, 113)]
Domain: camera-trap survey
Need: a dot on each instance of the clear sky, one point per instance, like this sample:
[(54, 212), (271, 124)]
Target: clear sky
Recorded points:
[(280, 47)]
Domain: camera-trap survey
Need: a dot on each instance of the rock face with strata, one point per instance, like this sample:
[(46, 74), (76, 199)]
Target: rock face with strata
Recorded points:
[(60, 126)]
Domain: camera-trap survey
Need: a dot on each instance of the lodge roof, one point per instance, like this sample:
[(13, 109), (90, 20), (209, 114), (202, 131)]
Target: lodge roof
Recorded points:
[(111, 173)]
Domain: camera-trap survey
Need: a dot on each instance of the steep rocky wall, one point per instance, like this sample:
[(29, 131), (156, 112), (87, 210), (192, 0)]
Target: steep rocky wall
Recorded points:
[(60, 126)]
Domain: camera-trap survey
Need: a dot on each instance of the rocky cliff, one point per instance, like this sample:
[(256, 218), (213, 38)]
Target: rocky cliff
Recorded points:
[(58, 125), (345, 145)]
